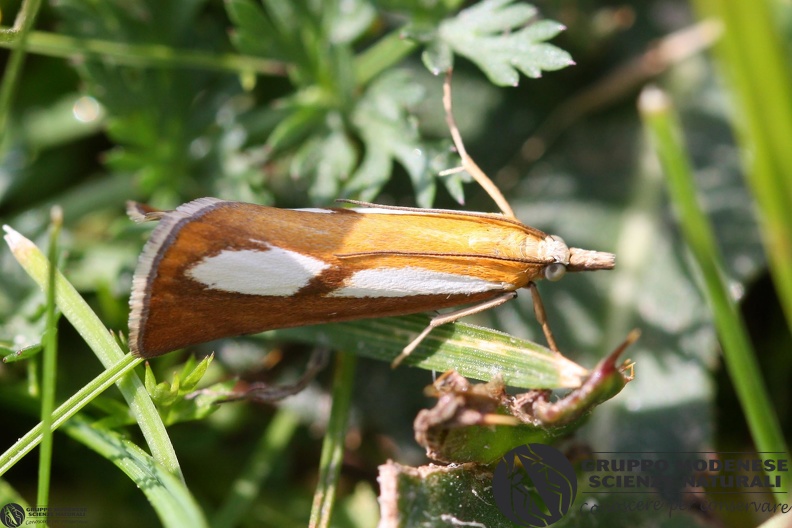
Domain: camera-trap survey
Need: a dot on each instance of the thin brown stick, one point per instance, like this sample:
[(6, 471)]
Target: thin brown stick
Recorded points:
[(467, 162)]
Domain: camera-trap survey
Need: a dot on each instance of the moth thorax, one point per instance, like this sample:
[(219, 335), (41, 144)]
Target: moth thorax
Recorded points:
[(554, 249)]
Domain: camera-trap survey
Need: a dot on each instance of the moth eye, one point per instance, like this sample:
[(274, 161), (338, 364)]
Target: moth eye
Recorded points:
[(554, 271)]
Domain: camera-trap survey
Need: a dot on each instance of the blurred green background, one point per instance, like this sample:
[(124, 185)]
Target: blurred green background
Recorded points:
[(164, 102)]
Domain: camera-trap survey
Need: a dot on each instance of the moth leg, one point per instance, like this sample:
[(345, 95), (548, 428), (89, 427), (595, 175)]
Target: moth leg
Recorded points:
[(539, 312), (467, 162), (450, 317)]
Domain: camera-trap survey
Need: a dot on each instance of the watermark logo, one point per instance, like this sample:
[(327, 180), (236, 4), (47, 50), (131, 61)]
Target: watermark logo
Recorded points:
[(709, 482), (12, 515), (534, 485)]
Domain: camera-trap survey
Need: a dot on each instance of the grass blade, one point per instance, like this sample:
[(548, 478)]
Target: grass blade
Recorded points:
[(664, 129), (755, 61), (244, 490), (333, 445), (50, 365), (473, 351)]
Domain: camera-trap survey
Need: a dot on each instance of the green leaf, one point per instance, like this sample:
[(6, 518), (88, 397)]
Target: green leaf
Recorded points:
[(251, 24), (481, 422), (441, 496), (199, 404), (438, 57), (494, 16), (329, 160), (154, 115), (177, 401), (309, 35), (192, 374), (437, 496), (453, 184), (348, 20), (389, 135), (162, 393), (333, 445), (11, 355), (149, 380), (276, 29), (473, 351), (739, 356), (494, 35)]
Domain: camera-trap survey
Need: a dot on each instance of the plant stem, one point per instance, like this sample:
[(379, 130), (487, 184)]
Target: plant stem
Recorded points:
[(245, 489), (101, 341), (25, 19), (738, 355), (333, 445), (50, 364), (143, 55), (755, 62)]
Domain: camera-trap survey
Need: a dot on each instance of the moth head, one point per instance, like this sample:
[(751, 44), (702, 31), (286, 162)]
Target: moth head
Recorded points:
[(554, 249), (562, 258)]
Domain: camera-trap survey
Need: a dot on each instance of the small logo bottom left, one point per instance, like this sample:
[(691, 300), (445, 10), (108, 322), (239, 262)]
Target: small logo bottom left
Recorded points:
[(12, 515)]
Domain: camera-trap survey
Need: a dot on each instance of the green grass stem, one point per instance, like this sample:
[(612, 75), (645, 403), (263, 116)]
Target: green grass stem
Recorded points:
[(13, 71), (49, 372), (740, 360), (67, 410), (101, 341), (754, 59), (245, 489), (333, 445), (141, 55)]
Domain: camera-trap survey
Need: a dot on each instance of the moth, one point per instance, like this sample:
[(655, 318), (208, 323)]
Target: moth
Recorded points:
[(214, 268)]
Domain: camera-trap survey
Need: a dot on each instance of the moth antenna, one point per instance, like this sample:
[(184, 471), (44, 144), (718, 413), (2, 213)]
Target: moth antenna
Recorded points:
[(467, 162), (386, 253)]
